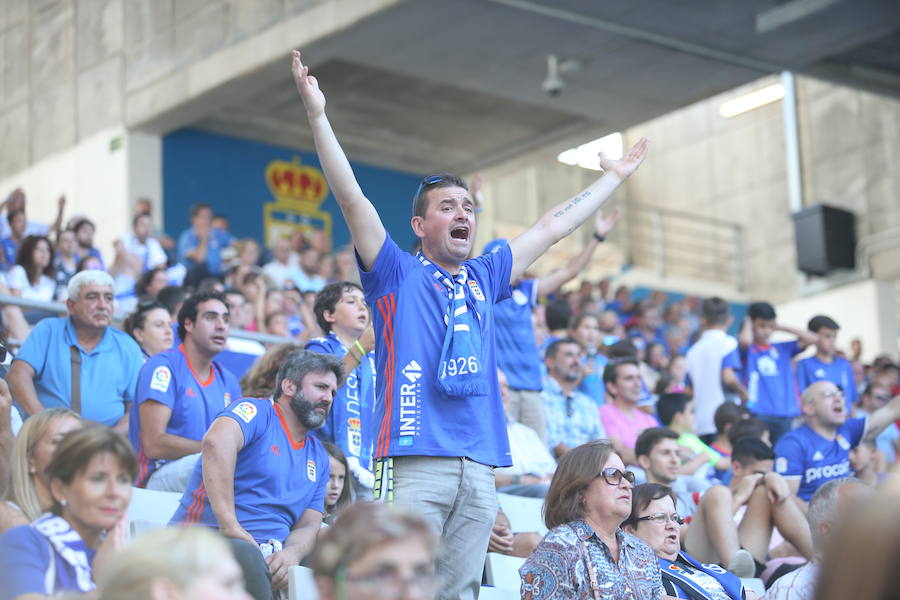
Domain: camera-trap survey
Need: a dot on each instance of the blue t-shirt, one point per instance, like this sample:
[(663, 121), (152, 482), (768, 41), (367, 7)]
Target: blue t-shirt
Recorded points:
[(350, 423), (216, 241), (108, 372), (592, 385), (767, 374), (169, 379), (275, 477), (839, 372), (517, 352), (26, 557), (413, 415), (10, 251), (805, 454)]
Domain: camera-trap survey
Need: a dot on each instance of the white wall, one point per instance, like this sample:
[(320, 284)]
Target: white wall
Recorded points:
[(865, 310), (92, 175), (145, 171)]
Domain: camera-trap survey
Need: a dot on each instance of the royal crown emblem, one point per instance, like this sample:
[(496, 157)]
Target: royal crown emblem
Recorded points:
[(294, 181)]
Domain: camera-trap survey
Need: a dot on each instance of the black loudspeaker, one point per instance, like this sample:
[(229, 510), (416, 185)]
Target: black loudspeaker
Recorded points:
[(826, 239)]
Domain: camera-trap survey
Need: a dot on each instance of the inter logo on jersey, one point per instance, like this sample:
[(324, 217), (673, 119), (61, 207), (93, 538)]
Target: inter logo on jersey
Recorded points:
[(311, 470), (161, 379), (412, 371), (476, 291), (245, 410)]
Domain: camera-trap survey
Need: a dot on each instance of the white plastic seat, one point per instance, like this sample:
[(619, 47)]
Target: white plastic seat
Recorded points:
[(524, 513), (502, 571), (302, 584), (150, 509)]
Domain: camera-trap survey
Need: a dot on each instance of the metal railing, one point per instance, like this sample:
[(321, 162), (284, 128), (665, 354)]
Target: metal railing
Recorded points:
[(683, 244), (119, 317)]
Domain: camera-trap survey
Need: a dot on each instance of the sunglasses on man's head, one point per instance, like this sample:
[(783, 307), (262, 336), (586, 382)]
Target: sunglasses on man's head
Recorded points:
[(430, 180)]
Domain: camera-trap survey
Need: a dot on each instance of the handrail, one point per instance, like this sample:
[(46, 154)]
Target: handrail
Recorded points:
[(59, 307)]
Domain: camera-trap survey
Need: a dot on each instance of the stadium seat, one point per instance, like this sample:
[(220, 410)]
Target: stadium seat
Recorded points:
[(150, 509), (301, 584), (524, 514), (754, 584), (502, 571)]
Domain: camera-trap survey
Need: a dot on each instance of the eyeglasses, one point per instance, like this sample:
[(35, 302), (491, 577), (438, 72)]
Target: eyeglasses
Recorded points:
[(388, 583), (430, 180), (614, 476), (661, 518), (837, 393)]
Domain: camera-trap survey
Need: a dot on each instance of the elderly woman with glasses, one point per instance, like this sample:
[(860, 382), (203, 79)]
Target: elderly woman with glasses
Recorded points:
[(586, 555), (654, 520)]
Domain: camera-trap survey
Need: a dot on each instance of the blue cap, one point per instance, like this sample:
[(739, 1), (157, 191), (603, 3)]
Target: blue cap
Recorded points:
[(495, 245)]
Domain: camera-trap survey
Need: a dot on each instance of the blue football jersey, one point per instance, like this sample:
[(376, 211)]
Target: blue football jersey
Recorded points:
[(805, 454), (839, 372), (517, 352)]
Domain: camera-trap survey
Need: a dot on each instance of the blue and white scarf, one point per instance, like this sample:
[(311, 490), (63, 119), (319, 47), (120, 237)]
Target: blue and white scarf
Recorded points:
[(460, 374), (69, 546)]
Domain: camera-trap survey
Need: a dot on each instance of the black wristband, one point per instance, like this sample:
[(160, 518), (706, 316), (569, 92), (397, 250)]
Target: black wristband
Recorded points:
[(599, 238)]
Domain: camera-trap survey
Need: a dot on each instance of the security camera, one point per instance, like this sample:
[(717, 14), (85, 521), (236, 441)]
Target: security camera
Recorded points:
[(553, 83)]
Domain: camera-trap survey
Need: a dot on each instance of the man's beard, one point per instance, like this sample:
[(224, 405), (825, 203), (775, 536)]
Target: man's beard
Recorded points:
[(306, 411)]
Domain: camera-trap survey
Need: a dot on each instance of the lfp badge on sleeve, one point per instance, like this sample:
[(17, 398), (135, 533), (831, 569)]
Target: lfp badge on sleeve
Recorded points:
[(299, 191)]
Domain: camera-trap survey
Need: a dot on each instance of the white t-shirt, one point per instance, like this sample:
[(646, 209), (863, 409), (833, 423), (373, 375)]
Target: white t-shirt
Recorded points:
[(528, 452), (704, 367), (150, 252), (18, 280)]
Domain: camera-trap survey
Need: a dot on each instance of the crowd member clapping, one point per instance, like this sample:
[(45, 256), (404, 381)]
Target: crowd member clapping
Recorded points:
[(586, 550), (183, 563), (151, 327), (90, 478), (28, 496), (374, 551), (654, 520)]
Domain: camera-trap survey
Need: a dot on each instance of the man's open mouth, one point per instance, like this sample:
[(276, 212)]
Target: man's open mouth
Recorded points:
[(460, 233)]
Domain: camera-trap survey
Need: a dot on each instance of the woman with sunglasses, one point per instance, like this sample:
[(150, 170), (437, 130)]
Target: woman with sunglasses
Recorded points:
[(586, 555), (654, 520)]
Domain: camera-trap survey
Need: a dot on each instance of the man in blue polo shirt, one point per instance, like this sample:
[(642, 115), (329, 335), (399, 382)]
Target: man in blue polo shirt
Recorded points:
[(200, 246), (341, 312), (825, 364), (767, 370), (262, 478), (105, 361), (819, 451), (441, 426), (517, 351), (179, 393)]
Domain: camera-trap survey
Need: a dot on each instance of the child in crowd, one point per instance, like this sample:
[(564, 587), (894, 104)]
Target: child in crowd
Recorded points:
[(676, 411), (342, 313), (825, 364), (337, 493), (767, 374)]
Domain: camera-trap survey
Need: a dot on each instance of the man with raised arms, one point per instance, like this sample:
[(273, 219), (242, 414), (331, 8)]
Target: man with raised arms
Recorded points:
[(440, 426)]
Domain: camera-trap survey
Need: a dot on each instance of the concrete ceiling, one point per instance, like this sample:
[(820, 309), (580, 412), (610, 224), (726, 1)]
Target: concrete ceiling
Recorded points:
[(435, 85)]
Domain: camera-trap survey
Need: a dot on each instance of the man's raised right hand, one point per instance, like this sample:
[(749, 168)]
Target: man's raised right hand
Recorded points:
[(308, 87)]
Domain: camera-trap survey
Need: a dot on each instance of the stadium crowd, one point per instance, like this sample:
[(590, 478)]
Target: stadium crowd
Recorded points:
[(673, 458)]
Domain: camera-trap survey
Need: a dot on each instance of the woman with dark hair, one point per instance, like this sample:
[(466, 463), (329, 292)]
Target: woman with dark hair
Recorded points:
[(90, 478), (337, 493), (34, 273), (151, 327), (151, 282), (654, 520), (375, 551), (586, 554)]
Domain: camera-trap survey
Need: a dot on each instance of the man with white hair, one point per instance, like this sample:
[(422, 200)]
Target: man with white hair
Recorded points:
[(80, 361), (833, 499)]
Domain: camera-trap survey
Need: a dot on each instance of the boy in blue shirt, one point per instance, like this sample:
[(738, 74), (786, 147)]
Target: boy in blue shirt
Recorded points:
[(341, 311), (825, 364), (262, 478), (441, 425), (767, 370)]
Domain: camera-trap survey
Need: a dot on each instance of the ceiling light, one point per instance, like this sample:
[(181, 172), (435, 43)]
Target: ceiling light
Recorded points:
[(748, 102), (585, 155)]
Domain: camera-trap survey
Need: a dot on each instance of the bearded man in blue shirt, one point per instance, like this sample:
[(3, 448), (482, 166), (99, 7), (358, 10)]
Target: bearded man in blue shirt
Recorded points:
[(440, 426)]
